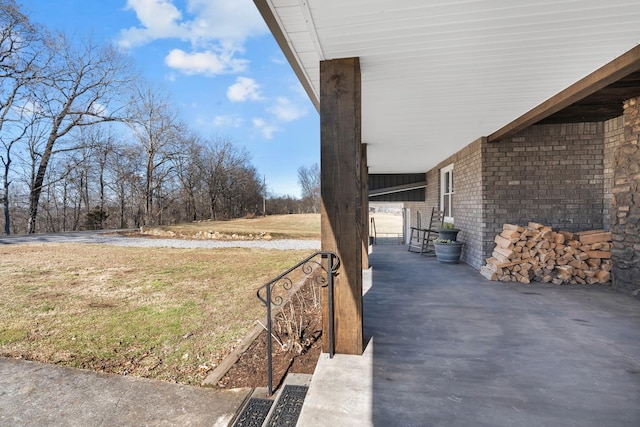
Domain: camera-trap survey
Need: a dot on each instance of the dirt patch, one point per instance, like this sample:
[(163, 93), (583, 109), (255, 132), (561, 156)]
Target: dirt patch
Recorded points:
[(197, 235), (298, 353), (301, 226)]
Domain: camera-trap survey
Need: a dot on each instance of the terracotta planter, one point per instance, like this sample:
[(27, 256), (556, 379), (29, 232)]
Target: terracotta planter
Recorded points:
[(448, 253)]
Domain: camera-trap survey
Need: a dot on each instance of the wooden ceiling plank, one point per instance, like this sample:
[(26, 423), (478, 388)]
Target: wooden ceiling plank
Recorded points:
[(619, 68)]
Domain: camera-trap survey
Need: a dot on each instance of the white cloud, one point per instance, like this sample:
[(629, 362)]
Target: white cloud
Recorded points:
[(210, 20), (225, 19), (227, 121), (207, 63), (244, 89), (98, 109), (266, 130), (279, 60), (27, 109), (158, 18), (285, 110), (215, 29), (282, 111)]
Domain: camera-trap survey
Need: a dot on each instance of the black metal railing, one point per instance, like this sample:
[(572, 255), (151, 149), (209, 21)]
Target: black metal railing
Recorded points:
[(328, 264), (373, 233)]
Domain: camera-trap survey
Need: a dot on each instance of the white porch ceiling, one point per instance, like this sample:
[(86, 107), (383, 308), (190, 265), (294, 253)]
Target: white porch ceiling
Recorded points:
[(438, 74)]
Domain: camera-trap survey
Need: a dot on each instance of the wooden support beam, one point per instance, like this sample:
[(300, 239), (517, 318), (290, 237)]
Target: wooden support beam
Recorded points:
[(599, 79), (340, 171)]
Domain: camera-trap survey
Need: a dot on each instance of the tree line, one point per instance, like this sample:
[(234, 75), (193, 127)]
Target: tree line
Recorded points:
[(86, 143)]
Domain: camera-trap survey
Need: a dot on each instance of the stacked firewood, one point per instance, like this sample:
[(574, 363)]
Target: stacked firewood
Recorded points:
[(536, 252)]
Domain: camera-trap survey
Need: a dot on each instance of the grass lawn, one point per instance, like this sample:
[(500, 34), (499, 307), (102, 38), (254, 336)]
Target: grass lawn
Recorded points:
[(388, 223), (161, 313)]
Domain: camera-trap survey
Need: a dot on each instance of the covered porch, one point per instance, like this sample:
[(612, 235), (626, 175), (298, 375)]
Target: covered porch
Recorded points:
[(445, 347), (533, 107), (486, 91)]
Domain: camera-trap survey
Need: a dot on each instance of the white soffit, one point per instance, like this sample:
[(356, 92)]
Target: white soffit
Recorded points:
[(438, 74)]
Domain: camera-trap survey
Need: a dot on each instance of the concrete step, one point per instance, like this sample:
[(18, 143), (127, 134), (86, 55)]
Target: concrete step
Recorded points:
[(281, 409)]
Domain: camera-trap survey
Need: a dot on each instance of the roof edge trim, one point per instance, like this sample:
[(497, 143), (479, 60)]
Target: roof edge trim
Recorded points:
[(265, 9), (620, 67)]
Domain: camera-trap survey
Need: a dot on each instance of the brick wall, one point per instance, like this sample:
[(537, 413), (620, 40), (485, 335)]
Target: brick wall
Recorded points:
[(625, 215), (559, 175), (467, 175), (468, 202), (550, 174), (433, 184)]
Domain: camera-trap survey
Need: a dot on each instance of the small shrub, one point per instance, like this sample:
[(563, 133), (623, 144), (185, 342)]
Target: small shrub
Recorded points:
[(96, 218)]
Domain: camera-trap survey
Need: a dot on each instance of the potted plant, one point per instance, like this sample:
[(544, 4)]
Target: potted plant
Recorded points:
[(448, 232), (448, 251)]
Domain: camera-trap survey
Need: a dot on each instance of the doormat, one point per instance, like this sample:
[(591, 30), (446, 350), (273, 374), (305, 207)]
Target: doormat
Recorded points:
[(287, 410), (254, 413)]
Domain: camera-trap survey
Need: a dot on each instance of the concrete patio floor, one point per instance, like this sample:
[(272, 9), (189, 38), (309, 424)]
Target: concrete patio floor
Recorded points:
[(445, 347)]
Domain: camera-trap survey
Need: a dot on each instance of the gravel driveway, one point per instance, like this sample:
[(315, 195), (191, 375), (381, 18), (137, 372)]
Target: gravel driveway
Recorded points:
[(109, 238)]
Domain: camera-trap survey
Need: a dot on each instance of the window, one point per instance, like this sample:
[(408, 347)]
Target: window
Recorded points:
[(446, 192)]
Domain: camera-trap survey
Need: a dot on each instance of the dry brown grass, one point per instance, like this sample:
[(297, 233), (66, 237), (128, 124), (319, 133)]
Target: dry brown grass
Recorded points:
[(161, 313), (388, 223), (304, 226)]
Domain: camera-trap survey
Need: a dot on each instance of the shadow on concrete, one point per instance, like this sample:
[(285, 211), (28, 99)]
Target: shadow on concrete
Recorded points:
[(447, 347), (451, 348)]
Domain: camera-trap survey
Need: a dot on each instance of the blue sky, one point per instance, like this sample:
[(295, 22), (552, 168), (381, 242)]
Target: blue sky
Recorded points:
[(219, 61)]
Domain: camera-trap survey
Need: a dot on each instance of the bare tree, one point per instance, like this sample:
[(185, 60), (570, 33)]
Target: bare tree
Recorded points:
[(96, 144), (244, 192), (20, 41), (283, 205), (79, 88), (124, 178), (214, 157), (6, 160), (188, 165), (309, 180), (223, 166), (104, 147), (20, 52), (156, 127), (65, 166)]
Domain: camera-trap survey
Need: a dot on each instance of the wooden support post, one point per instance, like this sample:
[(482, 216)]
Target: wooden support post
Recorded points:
[(340, 171), (364, 192)]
